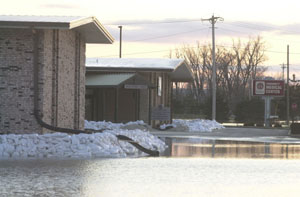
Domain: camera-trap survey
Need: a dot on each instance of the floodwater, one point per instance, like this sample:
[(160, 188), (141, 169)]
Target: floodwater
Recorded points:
[(205, 148), (189, 168)]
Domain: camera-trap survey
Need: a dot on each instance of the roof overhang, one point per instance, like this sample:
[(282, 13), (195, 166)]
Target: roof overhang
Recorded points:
[(92, 30), (89, 27), (107, 80)]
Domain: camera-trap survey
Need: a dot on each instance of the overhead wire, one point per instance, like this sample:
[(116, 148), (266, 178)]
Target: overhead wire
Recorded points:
[(238, 23), (225, 29), (259, 27), (155, 22), (168, 35), (138, 53), (225, 46)]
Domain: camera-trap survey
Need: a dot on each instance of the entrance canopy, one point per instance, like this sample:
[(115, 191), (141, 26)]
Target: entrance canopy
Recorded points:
[(117, 80)]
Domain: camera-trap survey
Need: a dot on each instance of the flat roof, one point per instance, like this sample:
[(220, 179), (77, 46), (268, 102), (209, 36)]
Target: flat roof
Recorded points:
[(134, 63), (89, 27), (178, 69)]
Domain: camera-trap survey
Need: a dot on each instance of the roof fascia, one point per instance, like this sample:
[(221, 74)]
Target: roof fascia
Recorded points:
[(36, 25), (87, 20), (121, 69)]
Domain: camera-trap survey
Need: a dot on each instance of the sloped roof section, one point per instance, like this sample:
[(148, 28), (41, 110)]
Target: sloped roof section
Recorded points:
[(178, 69), (115, 80), (89, 27), (112, 80)]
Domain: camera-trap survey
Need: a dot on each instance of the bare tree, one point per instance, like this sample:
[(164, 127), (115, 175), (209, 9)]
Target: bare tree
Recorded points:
[(236, 67), (200, 62)]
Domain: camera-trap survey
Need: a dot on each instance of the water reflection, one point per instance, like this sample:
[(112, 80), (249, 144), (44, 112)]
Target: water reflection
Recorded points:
[(180, 147), (186, 173)]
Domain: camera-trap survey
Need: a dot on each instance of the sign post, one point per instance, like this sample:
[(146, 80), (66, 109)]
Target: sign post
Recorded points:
[(267, 110), (268, 89)]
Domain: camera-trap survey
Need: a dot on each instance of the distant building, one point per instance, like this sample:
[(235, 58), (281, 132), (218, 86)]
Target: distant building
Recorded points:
[(130, 89), (50, 51)]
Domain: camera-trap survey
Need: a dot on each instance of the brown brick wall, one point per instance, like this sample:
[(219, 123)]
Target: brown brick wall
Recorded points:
[(46, 50), (82, 85), (16, 82), (66, 72), (57, 59)]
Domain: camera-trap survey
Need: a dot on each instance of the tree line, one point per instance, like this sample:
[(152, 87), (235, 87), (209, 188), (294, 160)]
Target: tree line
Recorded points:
[(236, 66)]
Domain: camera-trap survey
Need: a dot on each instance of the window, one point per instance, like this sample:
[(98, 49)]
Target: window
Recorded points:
[(159, 86)]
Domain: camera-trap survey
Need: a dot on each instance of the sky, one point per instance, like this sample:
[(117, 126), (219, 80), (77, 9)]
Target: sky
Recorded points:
[(152, 28)]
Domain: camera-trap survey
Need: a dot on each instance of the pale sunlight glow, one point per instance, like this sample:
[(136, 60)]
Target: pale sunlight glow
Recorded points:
[(277, 23)]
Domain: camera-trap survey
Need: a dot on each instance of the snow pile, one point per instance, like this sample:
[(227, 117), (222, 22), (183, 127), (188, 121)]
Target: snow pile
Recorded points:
[(197, 125), (61, 145), (103, 125)]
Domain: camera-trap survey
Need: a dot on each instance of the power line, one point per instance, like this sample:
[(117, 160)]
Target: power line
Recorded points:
[(137, 53), (259, 27), (271, 51), (155, 22), (221, 28), (230, 30), (168, 35), (225, 46), (250, 25), (233, 23)]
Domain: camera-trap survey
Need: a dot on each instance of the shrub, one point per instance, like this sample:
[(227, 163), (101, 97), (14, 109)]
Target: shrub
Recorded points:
[(250, 111)]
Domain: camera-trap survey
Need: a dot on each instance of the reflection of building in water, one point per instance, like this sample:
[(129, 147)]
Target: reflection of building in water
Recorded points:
[(234, 149)]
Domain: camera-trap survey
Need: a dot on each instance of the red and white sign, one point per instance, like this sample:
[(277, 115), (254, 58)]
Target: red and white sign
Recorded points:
[(268, 88)]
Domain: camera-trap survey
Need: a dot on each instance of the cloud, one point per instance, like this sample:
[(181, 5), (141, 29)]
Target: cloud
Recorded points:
[(291, 29), (241, 28), (164, 31), (192, 30)]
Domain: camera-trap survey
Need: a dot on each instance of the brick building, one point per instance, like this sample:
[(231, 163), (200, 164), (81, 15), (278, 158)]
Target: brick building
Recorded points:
[(42, 71), (130, 89)]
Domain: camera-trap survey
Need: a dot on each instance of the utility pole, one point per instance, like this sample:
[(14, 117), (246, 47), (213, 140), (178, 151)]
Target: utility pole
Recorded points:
[(120, 53), (288, 87), (283, 67), (213, 20)]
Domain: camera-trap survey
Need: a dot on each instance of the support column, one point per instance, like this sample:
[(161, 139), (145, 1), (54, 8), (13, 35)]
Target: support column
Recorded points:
[(116, 104), (150, 106), (267, 110)]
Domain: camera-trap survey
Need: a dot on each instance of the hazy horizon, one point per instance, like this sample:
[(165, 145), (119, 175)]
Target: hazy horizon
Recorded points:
[(152, 29)]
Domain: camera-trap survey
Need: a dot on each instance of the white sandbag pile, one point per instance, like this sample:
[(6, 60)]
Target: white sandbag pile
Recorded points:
[(104, 125), (60, 145), (199, 125), (196, 125)]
